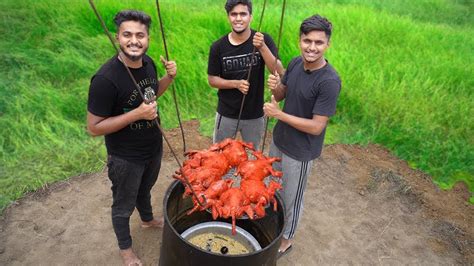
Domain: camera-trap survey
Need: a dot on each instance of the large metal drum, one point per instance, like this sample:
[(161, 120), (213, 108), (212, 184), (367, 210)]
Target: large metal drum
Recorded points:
[(176, 250)]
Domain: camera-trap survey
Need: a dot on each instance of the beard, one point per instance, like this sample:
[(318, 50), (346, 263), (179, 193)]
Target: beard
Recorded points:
[(238, 32), (133, 58), (310, 60)]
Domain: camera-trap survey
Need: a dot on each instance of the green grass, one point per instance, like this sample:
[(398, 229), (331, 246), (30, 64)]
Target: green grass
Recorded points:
[(406, 68)]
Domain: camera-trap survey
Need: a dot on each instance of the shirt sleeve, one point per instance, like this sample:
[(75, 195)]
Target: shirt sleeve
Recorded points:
[(290, 67), (153, 64), (102, 95), (214, 66), (270, 44), (154, 74), (327, 98)]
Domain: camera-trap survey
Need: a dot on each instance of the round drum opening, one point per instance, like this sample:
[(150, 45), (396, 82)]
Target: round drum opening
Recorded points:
[(216, 237)]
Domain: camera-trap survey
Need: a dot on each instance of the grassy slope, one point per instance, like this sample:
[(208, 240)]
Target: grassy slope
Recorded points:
[(406, 68)]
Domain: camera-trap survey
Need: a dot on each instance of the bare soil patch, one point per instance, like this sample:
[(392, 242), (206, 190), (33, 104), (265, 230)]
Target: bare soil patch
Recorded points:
[(362, 206)]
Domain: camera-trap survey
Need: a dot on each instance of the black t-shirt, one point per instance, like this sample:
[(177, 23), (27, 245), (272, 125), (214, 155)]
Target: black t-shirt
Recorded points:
[(307, 94), (113, 93), (230, 61)]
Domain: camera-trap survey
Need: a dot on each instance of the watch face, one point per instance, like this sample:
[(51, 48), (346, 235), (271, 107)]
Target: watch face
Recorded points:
[(149, 94)]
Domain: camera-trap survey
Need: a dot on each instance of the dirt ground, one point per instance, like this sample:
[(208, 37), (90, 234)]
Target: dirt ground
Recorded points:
[(362, 206)]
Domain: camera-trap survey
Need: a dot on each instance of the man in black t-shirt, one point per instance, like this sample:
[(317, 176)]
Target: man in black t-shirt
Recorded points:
[(134, 143), (310, 88), (229, 61)]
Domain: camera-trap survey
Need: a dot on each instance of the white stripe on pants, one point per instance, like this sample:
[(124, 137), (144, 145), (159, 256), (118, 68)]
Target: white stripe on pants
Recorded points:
[(295, 175)]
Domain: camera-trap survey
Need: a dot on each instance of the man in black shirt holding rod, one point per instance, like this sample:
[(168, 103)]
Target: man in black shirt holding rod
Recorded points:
[(229, 61), (310, 88), (134, 143)]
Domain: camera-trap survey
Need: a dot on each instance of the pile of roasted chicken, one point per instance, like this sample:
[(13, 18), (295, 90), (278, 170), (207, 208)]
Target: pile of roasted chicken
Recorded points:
[(206, 170)]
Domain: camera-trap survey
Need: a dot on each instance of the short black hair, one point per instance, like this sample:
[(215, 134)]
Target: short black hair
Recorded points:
[(230, 4), (132, 15), (316, 22)]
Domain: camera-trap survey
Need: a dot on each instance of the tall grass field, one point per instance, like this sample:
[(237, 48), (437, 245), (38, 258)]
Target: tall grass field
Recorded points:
[(407, 70)]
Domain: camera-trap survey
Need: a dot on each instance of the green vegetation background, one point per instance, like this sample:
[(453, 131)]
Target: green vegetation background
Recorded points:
[(406, 66)]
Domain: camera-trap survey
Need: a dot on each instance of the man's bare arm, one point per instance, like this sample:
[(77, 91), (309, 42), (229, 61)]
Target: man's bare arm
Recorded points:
[(314, 126), (98, 126), (267, 55), (221, 83)]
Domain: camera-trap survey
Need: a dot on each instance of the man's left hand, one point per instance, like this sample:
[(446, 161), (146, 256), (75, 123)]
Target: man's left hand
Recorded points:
[(170, 66), (272, 109)]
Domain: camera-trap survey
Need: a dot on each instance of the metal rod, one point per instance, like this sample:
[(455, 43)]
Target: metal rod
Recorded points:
[(91, 2), (267, 120), (172, 85), (250, 71)]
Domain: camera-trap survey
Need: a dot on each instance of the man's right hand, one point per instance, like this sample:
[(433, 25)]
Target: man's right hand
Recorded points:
[(147, 111), (243, 86), (273, 81)]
